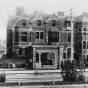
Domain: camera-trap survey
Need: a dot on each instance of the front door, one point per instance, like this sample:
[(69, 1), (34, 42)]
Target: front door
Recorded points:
[(38, 62)]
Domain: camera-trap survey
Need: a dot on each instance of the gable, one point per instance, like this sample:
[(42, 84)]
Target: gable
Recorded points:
[(24, 16), (53, 17)]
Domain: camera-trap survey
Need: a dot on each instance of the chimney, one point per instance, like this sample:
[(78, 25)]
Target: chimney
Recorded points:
[(59, 13), (85, 14), (19, 10)]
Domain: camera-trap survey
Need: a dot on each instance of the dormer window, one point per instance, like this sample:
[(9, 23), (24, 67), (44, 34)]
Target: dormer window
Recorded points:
[(53, 22), (69, 24), (38, 22), (24, 22)]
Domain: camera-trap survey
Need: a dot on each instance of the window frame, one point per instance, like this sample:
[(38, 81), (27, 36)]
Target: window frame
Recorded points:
[(39, 35), (56, 39), (53, 23), (69, 37), (84, 45), (24, 35), (85, 31), (23, 22), (38, 22)]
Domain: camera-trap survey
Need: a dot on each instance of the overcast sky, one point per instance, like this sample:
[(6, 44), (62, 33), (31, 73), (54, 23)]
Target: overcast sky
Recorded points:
[(7, 7)]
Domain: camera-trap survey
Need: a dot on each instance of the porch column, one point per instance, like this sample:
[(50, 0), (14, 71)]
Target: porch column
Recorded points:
[(55, 62), (34, 58), (17, 52), (39, 60), (61, 56), (39, 57)]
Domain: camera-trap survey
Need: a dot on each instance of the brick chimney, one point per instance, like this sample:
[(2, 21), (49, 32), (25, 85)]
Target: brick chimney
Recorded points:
[(59, 13), (85, 14), (19, 10)]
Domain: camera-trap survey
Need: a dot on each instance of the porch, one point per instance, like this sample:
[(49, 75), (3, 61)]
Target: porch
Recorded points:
[(47, 57)]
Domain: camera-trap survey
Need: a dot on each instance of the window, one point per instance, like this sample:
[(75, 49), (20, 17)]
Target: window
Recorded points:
[(53, 36), (30, 36), (64, 55), (24, 36), (84, 31), (69, 24), (24, 22), (38, 22), (84, 44), (47, 58), (69, 37), (68, 53), (53, 22), (39, 35), (79, 30), (37, 57)]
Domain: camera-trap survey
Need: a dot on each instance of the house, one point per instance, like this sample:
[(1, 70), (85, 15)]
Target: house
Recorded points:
[(46, 39)]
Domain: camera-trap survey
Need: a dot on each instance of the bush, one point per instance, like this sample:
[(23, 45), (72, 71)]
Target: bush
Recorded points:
[(2, 77), (69, 72)]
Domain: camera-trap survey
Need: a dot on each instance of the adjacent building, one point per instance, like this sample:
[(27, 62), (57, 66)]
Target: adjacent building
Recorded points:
[(46, 39)]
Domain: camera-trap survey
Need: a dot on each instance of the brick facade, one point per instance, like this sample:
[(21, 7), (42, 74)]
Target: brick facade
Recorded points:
[(41, 35)]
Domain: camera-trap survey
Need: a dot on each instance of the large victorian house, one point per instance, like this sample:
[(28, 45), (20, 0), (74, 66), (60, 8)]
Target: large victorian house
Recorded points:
[(46, 39)]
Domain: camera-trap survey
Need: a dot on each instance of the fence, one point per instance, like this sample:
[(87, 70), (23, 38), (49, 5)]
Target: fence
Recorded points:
[(19, 80)]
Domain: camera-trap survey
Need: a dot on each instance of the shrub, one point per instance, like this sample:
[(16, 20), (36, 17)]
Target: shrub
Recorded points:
[(69, 72), (2, 77)]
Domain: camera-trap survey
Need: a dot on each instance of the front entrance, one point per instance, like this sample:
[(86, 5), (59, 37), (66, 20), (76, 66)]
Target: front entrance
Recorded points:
[(38, 61), (46, 60), (47, 57)]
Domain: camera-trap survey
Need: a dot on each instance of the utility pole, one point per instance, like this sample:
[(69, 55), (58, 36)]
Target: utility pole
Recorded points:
[(72, 37)]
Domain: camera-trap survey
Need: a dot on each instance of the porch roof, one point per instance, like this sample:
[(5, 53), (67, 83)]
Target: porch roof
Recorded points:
[(53, 29), (45, 46)]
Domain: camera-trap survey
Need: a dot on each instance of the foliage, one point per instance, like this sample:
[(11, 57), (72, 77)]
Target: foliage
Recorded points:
[(2, 77), (69, 71)]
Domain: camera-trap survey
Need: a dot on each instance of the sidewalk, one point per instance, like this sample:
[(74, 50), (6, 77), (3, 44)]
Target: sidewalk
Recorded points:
[(48, 86)]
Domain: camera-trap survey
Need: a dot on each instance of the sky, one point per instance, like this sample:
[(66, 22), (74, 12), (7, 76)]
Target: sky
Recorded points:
[(7, 8)]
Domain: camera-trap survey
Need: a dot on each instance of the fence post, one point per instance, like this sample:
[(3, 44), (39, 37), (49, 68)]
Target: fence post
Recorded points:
[(53, 80), (18, 81)]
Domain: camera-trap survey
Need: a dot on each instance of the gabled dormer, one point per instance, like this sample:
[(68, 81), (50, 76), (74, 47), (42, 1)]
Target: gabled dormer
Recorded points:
[(38, 18), (23, 20), (69, 22), (52, 20)]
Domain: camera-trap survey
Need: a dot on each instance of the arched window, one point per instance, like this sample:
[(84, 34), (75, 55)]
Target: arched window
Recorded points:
[(84, 44), (68, 53)]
